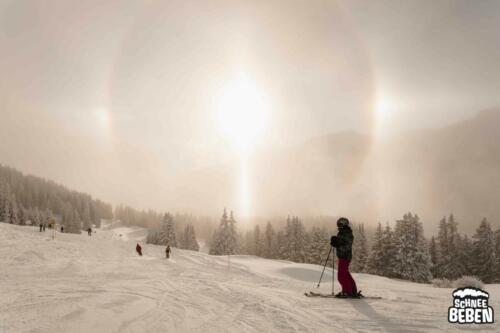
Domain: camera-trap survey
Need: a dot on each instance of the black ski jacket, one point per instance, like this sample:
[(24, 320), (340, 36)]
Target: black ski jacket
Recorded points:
[(343, 243)]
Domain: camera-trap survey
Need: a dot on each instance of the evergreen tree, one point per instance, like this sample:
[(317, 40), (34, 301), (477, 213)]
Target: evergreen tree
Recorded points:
[(376, 264), (412, 260), (258, 241), (297, 237), (21, 215), (12, 210), (270, 242), (4, 205), (449, 264), (287, 241), (484, 260), (168, 230), (433, 255), (318, 246), (497, 255), (86, 219), (465, 253), (282, 245), (37, 219), (442, 248), (360, 250), (225, 239), (389, 252), (188, 239)]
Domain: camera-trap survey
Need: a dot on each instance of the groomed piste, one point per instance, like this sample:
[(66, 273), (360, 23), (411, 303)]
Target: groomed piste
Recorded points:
[(77, 283)]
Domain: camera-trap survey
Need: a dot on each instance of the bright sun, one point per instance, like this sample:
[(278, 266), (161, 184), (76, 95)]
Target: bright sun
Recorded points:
[(242, 114)]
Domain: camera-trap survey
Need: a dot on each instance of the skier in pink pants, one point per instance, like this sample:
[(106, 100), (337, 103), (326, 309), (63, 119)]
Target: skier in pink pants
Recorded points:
[(343, 243)]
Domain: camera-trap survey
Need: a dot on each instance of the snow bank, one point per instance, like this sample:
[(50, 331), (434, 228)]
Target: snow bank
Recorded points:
[(80, 284)]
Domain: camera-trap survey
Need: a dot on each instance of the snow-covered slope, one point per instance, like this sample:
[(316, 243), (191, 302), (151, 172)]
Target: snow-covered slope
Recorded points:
[(78, 283)]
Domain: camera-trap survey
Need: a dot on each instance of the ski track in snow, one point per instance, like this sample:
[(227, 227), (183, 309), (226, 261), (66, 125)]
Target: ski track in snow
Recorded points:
[(77, 283)]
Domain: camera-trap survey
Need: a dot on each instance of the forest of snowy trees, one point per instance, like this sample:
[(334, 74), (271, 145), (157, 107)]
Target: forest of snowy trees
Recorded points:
[(165, 234), (397, 251), (153, 220), (26, 199), (400, 251)]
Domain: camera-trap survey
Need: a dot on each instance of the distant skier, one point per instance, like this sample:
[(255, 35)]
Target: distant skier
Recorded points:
[(89, 231), (44, 226), (167, 251), (62, 229), (138, 248), (343, 243), (41, 227)]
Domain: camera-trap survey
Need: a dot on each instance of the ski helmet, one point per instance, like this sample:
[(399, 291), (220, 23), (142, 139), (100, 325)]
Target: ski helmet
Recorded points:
[(342, 222)]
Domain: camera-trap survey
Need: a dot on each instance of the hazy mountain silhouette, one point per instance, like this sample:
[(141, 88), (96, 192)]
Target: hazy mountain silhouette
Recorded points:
[(432, 172)]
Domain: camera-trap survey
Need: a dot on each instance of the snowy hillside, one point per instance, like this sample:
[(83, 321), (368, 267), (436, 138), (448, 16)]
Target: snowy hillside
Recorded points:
[(78, 283)]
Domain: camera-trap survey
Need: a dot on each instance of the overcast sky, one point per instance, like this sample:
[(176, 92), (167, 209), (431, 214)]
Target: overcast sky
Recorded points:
[(117, 97)]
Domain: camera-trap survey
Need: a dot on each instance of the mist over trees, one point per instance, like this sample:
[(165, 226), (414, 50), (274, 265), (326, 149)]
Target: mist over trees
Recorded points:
[(398, 251), (151, 219), (164, 234), (26, 199)]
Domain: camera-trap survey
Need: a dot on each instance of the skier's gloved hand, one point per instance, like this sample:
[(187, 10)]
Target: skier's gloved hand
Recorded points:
[(333, 241)]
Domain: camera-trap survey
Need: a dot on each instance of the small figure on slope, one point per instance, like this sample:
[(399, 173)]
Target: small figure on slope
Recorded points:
[(167, 251), (138, 248), (89, 231), (343, 243), (41, 227)]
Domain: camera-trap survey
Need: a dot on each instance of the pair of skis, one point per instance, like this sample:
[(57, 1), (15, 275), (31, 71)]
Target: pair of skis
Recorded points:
[(314, 294)]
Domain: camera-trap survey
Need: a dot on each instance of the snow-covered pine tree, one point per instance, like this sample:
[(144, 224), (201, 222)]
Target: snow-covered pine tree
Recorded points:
[(282, 246), (21, 215), (360, 250), (442, 248), (188, 239), (160, 235), (465, 253), (450, 265), (412, 260), (248, 244), (433, 255), (497, 255), (165, 234), (318, 246), (4, 206), (270, 242), (11, 208), (213, 243), (483, 254), (257, 241), (168, 230), (297, 236), (288, 241), (232, 236), (36, 217), (375, 264), (86, 219), (389, 252), (225, 239)]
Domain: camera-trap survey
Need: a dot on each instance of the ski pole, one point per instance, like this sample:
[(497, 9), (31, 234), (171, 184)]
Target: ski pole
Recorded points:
[(333, 272), (326, 262)]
